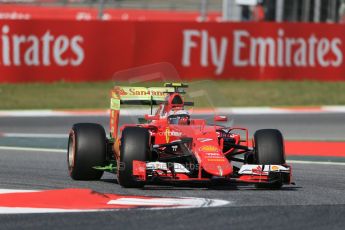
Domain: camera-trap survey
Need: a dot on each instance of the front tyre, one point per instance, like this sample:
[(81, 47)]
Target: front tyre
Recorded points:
[(134, 146), (86, 149), (269, 150)]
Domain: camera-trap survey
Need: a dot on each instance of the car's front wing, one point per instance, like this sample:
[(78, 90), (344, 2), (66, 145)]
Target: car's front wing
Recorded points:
[(247, 173)]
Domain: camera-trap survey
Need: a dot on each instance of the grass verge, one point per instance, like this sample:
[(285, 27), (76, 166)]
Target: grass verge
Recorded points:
[(63, 95)]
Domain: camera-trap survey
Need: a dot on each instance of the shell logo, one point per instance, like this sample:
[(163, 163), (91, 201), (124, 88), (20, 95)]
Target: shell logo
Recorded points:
[(274, 168), (208, 148)]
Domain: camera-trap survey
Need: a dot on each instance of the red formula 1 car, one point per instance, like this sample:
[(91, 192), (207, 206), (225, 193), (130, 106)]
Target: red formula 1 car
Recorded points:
[(170, 146)]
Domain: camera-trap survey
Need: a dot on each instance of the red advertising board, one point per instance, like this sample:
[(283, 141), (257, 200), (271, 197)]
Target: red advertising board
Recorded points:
[(53, 50), (28, 12), (56, 50)]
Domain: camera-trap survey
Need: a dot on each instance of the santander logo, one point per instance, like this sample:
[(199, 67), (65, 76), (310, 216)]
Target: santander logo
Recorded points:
[(247, 50), (45, 50)]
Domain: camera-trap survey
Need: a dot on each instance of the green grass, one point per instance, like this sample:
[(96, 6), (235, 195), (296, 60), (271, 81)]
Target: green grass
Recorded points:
[(205, 94)]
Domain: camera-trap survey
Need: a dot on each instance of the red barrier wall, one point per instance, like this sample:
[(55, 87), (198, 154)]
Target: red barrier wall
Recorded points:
[(90, 13), (47, 50)]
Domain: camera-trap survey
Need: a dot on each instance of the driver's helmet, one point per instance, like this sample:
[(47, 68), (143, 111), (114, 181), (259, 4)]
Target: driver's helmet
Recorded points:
[(179, 117)]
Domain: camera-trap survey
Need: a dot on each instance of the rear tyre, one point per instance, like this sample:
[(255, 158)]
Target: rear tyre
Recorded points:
[(86, 149), (134, 146), (269, 150)]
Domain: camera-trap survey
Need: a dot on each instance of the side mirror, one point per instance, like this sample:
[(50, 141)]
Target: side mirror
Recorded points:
[(219, 118), (149, 117)]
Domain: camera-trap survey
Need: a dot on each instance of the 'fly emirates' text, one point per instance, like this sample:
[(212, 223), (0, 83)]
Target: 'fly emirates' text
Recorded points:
[(250, 51), (40, 50)]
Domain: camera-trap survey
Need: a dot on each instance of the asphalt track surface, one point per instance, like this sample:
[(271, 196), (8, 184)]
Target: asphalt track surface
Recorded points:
[(305, 126), (317, 201)]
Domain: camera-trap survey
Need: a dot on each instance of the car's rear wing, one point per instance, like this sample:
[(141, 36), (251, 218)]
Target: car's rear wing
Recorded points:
[(127, 95), (140, 95)]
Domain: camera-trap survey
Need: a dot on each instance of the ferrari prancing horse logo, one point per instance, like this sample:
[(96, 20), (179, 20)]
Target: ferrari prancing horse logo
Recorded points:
[(169, 133), (167, 136)]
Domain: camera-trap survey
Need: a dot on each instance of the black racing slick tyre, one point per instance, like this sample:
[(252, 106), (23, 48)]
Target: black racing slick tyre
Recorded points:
[(269, 150), (269, 147), (86, 149), (134, 146)]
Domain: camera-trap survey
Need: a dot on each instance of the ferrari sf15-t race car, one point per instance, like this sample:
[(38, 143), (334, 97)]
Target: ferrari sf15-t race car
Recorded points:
[(170, 146)]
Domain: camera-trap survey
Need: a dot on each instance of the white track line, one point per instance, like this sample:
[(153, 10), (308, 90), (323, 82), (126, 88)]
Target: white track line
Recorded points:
[(50, 113), (183, 202), (13, 210), (5, 191), (32, 149), (64, 151), (34, 135), (138, 112), (316, 162)]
